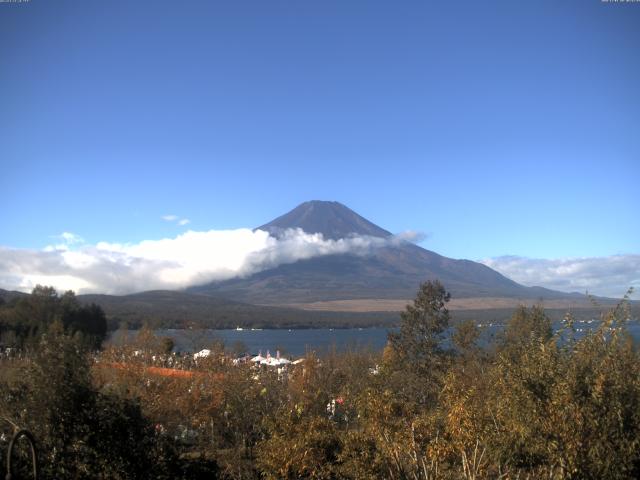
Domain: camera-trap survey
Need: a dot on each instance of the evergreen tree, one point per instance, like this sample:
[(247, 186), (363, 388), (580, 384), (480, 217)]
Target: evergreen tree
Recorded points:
[(422, 324)]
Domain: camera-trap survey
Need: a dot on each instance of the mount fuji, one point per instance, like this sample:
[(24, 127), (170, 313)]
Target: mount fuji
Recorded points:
[(388, 274)]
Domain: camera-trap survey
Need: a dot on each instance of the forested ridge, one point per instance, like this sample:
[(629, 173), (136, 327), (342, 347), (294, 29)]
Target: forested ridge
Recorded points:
[(535, 403)]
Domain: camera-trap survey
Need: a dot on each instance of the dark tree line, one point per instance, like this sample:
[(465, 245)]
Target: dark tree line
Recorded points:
[(23, 320)]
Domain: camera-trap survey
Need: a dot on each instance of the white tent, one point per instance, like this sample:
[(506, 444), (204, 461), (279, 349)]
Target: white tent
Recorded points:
[(202, 354), (274, 362), (258, 358)]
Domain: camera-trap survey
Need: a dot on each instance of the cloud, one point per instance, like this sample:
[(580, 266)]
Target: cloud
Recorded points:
[(608, 276), (71, 238), (191, 258), (176, 219), (199, 257), (412, 236), (68, 240)]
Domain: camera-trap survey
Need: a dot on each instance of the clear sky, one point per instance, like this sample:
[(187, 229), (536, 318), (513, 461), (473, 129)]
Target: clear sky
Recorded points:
[(495, 127)]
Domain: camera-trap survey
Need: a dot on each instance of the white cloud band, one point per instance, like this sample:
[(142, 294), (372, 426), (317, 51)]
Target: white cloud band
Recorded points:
[(174, 218), (609, 276), (194, 258), (191, 258)]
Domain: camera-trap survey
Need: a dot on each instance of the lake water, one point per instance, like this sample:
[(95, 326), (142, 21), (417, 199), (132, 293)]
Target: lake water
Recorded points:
[(297, 342), (294, 342)]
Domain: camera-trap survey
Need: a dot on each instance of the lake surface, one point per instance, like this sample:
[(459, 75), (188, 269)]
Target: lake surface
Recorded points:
[(297, 342)]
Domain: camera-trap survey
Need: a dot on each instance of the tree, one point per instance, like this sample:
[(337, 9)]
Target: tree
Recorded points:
[(89, 320), (29, 317), (81, 432), (527, 325), (422, 324), (465, 337), (418, 358), (167, 345)]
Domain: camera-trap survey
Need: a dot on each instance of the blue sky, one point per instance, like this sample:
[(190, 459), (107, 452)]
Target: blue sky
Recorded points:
[(496, 128)]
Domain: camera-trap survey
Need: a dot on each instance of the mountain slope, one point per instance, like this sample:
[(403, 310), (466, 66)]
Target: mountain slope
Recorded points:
[(390, 272), (332, 219), (8, 295)]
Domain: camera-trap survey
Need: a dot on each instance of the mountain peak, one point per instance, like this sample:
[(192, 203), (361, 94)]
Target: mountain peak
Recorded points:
[(332, 219)]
